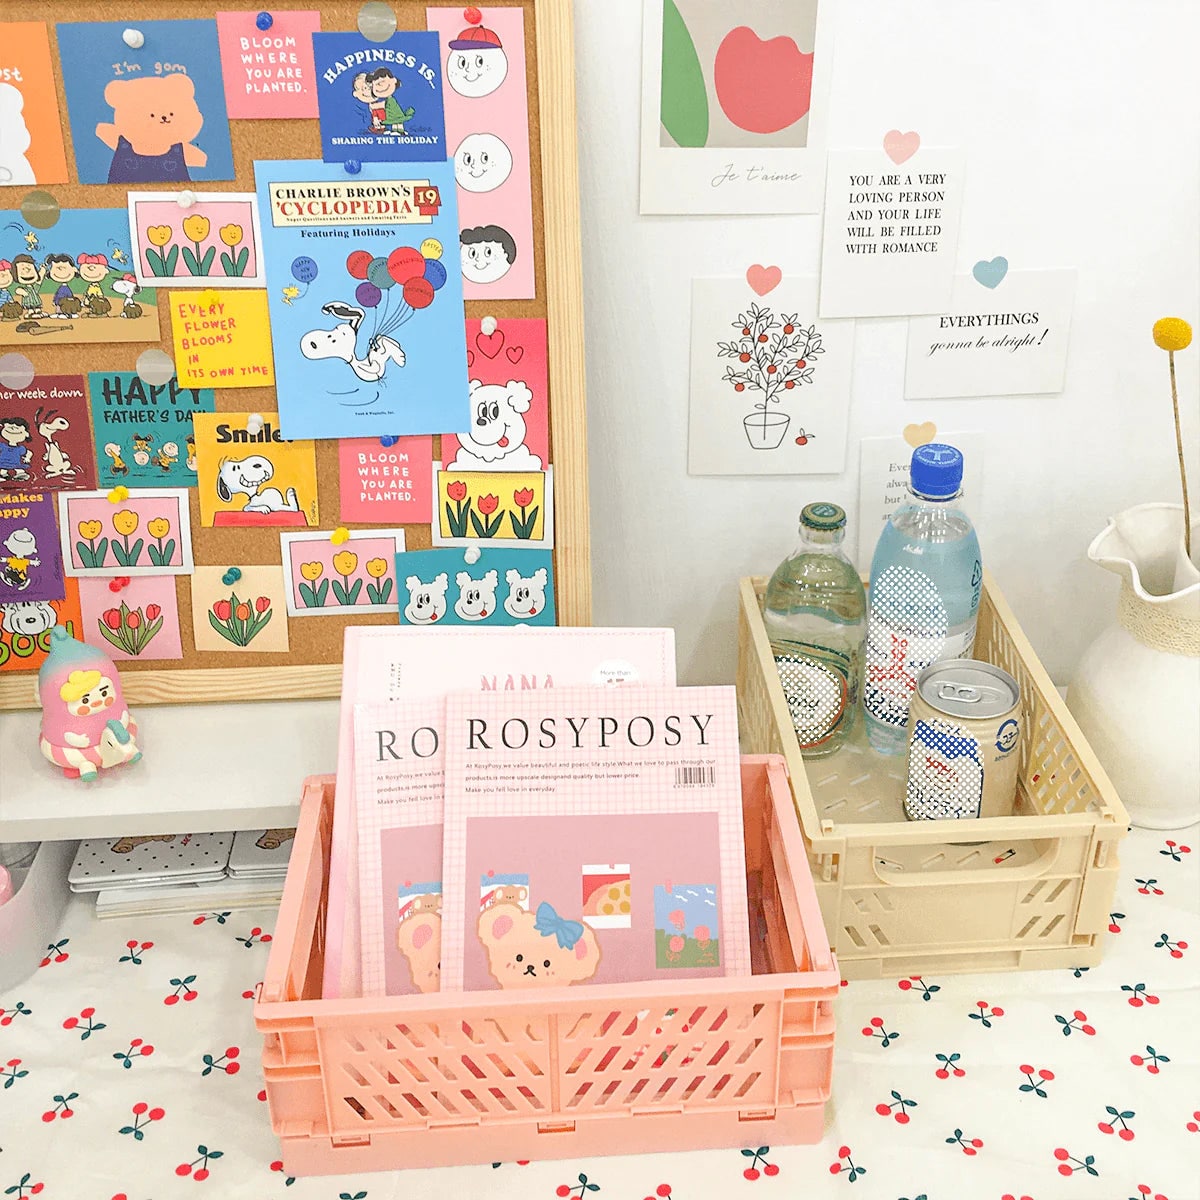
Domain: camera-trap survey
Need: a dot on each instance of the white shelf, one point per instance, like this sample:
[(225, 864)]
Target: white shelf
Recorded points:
[(207, 768)]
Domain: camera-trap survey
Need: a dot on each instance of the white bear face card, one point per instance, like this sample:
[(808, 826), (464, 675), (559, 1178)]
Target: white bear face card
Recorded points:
[(476, 587)]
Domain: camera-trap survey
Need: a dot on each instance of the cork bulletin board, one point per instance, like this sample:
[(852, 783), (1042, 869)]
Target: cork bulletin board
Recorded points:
[(312, 665)]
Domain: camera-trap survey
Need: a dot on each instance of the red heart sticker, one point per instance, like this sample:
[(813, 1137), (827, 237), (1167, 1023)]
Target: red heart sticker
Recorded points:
[(490, 344), (514, 354)]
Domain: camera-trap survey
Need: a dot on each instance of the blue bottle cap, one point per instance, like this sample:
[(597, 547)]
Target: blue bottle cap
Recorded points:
[(936, 471)]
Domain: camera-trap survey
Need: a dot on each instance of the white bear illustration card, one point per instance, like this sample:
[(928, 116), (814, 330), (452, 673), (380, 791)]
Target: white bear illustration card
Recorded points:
[(509, 427), (592, 837), (324, 578), (476, 587)]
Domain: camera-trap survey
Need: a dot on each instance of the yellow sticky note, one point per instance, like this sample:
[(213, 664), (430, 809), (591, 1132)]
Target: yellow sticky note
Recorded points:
[(222, 338)]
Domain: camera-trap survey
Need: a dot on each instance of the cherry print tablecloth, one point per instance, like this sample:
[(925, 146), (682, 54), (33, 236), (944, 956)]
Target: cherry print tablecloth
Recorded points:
[(129, 1069)]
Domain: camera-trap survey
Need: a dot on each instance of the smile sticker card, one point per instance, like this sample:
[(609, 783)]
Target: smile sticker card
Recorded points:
[(144, 432), (31, 140), (498, 586), (222, 339), (386, 484), (508, 430), (151, 115), (380, 101), (147, 533), (248, 615), (487, 136), (504, 506), (25, 627), (31, 566), (357, 576), (214, 242), (253, 477), (269, 73), (72, 283), (45, 440), (366, 308), (140, 620)]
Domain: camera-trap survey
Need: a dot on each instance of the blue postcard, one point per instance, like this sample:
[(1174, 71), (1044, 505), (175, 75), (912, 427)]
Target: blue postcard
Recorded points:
[(365, 298), (151, 114), (380, 101)]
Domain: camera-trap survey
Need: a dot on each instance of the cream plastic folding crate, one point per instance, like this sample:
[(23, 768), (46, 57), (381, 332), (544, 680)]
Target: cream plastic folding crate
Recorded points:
[(905, 897), (419, 1081)]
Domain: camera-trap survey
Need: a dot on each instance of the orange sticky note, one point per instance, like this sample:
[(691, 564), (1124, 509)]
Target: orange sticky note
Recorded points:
[(222, 340)]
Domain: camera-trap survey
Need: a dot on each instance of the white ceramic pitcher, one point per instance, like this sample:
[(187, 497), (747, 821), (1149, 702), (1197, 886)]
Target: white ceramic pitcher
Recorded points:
[(1136, 694)]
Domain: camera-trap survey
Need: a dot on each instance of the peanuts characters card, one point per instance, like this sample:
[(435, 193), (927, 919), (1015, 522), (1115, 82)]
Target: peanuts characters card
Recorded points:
[(251, 475), (380, 101), (366, 308), (73, 282), (31, 140), (604, 803), (31, 567), (45, 441), (25, 628), (154, 114)]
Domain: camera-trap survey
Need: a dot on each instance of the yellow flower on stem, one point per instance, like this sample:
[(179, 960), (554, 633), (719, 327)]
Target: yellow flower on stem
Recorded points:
[(160, 235), (157, 528), (125, 522), (196, 227), (1172, 333), (90, 530), (377, 567), (345, 563), (312, 571), (231, 235)]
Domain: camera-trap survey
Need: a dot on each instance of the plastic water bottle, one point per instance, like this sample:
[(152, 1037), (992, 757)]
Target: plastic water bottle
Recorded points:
[(815, 615), (926, 578)]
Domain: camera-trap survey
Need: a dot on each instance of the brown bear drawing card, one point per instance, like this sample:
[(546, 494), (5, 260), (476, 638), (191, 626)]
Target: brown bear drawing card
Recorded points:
[(150, 114)]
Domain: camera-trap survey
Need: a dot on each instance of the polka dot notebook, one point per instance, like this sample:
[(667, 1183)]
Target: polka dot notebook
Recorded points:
[(156, 858)]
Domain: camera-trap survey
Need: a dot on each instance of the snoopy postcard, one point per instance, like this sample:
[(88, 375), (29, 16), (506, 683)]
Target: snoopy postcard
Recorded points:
[(154, 114), (45, 439), (25, 627), (73, 282), (496, 586), (249, 475), (31, 140), (31, 566), (635, 869), (366, 314), (380, 101)]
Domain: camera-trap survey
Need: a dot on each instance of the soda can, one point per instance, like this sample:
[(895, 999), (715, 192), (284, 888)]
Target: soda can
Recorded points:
[(964, 734)]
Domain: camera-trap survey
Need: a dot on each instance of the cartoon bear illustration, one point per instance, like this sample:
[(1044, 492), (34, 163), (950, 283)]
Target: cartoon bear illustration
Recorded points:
[(272, 839), (505, 894), (128, 844), (419, 939), (27, 618), (496, 439), (476, 597), (526, 595), (426, 601), (155, 121), (536, 950)]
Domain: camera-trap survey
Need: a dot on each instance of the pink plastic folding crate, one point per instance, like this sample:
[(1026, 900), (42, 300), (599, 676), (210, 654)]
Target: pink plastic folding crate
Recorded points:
[(419, 1081)]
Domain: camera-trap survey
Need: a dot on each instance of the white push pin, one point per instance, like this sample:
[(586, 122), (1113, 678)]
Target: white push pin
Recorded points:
[(472, 554), (135, 39), (254, 423), (487, 326), (187, 199)]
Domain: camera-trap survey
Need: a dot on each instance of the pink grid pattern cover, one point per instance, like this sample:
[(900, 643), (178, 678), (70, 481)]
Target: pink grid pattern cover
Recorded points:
[(386, 662), (624, 780)]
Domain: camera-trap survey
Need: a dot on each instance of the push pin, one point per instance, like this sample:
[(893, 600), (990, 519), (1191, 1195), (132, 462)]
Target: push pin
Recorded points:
[(119, 493), (487, 326), (353, 166), (388, 440), (119, 583), (254, 423), (135, 39), (339, 535), (231, 576), (186, 198), (472, 554), (264, 21)]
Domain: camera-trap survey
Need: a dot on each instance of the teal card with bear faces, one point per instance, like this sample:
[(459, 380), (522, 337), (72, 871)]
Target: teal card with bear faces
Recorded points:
[(149, 113), (500, 587)]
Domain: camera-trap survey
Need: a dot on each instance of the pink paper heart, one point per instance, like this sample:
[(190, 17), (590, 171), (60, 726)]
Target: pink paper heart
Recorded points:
[(514, 354), (763, 279), (900, 147), (490, 344)]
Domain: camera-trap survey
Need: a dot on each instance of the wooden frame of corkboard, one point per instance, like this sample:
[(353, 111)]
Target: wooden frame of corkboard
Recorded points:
[(312, 666)]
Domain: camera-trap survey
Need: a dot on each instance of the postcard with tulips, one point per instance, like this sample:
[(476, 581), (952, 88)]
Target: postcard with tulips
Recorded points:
[(476, 507), (140, 619), (215, 241), (239, 609), (325, 578), (148, 532)]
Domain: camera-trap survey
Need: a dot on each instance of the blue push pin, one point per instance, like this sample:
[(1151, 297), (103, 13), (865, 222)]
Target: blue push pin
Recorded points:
[(388, 440), (264, 21), (353, 166), (231, 576)]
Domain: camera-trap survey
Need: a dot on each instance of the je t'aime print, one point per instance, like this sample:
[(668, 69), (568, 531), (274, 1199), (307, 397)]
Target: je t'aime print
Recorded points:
[(146, 533)]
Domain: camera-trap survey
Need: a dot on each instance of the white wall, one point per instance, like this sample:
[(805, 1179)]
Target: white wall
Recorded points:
[(1081, 120)]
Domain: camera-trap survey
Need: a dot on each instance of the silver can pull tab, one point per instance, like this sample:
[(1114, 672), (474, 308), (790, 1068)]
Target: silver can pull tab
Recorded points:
[(963, 693)]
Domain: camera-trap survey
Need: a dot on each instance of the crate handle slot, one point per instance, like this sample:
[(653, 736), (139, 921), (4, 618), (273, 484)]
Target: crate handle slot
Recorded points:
[(556, 1127)]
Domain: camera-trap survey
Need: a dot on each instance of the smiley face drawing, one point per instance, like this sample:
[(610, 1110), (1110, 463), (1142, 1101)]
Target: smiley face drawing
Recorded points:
[(482, 162), (487, 253), (476, 65)]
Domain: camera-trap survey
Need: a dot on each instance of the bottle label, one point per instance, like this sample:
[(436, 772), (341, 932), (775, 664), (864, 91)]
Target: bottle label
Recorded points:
[(816, 686), (945, 772)]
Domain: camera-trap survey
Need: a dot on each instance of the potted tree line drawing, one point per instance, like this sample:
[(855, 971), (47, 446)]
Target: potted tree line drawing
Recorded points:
[(773, 354)]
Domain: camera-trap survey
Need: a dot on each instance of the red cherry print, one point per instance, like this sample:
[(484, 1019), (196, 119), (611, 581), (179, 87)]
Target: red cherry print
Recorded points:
[(1061, 1154), (231, 1052), (49, 1116), (66, 1113), (844, 1151), (37, 1187), (44, 963), (789, 329), (197, 921), (882, 1109), (867, 1031), (1179, 953), (1046, 1075), (201, 1175), (262, 1094), (146, 1050), (170, 1000), (970, 1151), (233, 1068), (1025, 1069), (183, 1169), (1136, 1059), (663, 1189), (1088, 1029), (70, 1022), (1114, 928), (997, 1012), (751, 1173), (1126, 1135), (1153, 1068), (61, 957), (1104, 1127), (1080, 1015), (131, 945), (1135, 1002), (1151, 999), (878, 1023), (902, 1118), (834, 1168), (140, 1108), (942, 1073), (905, 985), (87, 1013), (562, 1190), (157, 1114), (190, 995), (135, 1042), (771, 1169), (743, 357), (147, 945), (1065, 1169), (977, 1143)]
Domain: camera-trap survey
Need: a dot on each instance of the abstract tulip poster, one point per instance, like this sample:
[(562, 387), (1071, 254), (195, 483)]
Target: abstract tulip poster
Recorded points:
[(733, 113)]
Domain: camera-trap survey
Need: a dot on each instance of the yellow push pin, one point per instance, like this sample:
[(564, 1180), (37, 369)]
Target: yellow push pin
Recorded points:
[(119, 493), (339, 535), (1171, 334)]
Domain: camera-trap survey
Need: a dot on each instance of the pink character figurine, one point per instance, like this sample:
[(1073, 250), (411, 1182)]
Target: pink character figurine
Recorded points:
[(85, 724)]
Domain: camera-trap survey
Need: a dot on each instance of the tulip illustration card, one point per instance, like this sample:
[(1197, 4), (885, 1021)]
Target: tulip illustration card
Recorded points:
[(499, 586), (770, 380), (45, 440), (140, 620), (31, 565), (222, 339), (380, 101), (269, 73), (1005, 334), (31, 140), (516, 507), (366, 306), (25, 627), (246, 614), (733, 106), (891, 228), (72, 283), (250, 475), (213, 242), (487, 136), (384, 484), (355, 576), (144, 431), (627, 791), (151, 115), (148, 532)]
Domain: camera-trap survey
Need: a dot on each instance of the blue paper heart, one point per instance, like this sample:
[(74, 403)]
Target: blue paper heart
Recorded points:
[(991, 274)]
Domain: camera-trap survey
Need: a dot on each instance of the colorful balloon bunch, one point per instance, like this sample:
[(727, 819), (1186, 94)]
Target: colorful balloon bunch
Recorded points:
[(396, 286)]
